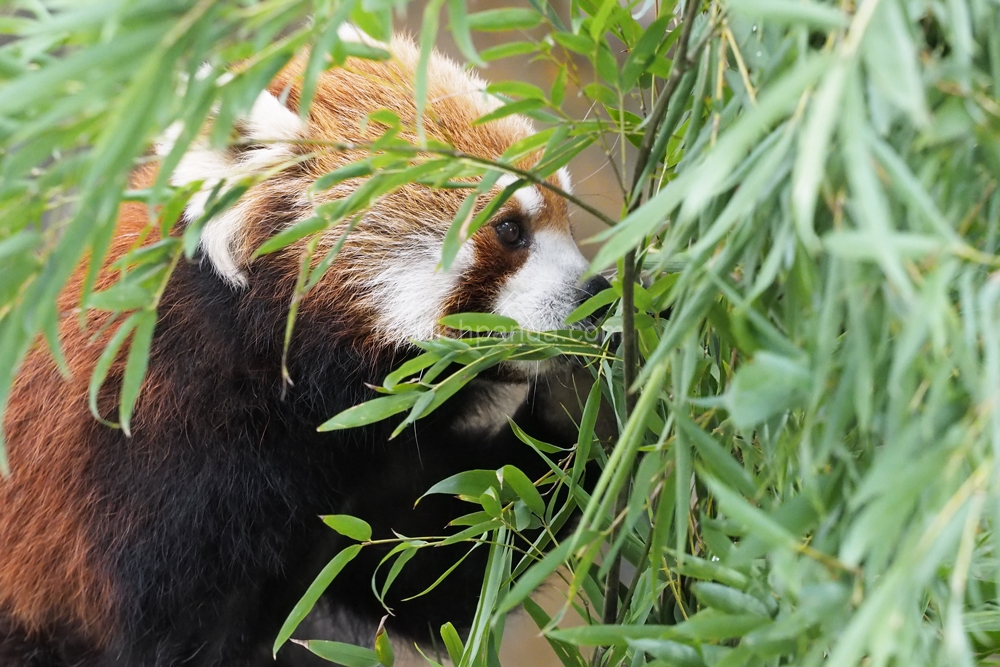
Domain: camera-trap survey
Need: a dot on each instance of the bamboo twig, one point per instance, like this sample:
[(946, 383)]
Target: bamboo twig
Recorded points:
[(683, 61)]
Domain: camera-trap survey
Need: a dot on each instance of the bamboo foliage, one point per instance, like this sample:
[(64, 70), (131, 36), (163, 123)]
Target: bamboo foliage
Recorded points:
[(807, 381)]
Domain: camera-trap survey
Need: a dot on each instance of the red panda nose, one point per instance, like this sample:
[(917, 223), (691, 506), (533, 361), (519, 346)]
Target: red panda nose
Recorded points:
[(593, 287)]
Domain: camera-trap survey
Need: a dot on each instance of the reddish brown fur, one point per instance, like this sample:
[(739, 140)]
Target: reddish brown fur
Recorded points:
[(50, 574)]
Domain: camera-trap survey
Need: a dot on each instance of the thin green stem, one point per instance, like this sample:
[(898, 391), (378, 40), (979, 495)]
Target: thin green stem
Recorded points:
[(525, 174), (630, 365)]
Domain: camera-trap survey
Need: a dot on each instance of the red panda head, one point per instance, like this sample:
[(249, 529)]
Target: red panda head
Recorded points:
[(386, 286)]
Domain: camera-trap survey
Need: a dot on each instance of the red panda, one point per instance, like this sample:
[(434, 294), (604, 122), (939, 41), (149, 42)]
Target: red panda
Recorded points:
[(189, 542)]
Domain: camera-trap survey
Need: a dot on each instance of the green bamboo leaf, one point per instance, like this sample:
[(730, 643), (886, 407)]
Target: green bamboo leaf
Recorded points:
[(360, 50), (511, 477), (312, 595), (616, 473), (710, 570), (403, 553), (490, 500), (581, 44), (502, 20), (870, 245), (672, 652), (349, 526), (409, 368), (716, 459), (497, 573), (452, 642), (459, 18), (790, 12), (528, 145), (358, 169), (516, 89), (767, 386), (814, 139), (371, 411), (711, 625), (774, 103), (347, 655), (135, 366), (892, 61), (509, 50), (326, 42), (464, 224), (108, 357), (817, 603), (611, 635), (377, 24), (480, 322), (644, 52), (871, 211), (755, 520), (600, 19), (639, 224), (122, 296), (468, 483), (383, 647), (906, 184), (534, 577), (428, 34), (728, 599), (557, 93), (509, 109), (592, 305)]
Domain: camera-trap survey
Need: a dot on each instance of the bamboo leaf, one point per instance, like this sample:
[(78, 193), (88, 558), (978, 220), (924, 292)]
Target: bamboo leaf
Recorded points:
[(339, 653), (502, 20), (349, 526), (371, 411), (135, 366), (311, 596)]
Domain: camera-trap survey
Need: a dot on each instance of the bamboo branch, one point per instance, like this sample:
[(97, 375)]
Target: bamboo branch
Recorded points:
[(683, 61)]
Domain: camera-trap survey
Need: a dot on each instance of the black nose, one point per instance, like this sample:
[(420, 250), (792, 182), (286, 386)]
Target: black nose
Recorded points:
[(593, 287)]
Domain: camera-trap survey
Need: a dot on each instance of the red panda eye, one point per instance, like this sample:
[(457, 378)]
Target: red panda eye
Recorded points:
[(509, 232)]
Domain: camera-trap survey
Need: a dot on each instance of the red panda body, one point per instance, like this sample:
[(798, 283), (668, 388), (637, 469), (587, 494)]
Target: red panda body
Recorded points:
[(189, 542)]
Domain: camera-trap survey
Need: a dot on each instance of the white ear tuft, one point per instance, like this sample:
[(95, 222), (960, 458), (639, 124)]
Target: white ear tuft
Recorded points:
[(270, 119), (270, 122), (565, 182)]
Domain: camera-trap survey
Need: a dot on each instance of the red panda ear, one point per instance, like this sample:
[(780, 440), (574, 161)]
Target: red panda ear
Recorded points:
[(267, 128)]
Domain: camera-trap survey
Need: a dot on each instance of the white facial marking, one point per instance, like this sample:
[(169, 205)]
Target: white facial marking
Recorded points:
[(565, 182), (411, 291), (270, 122), (528, 196), (544, 291)]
